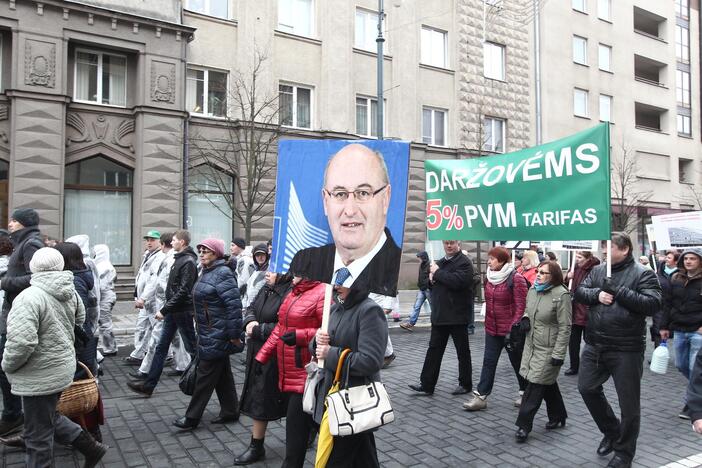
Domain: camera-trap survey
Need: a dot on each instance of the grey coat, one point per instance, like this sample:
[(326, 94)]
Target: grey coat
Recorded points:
[(550, 315), (360, 325)]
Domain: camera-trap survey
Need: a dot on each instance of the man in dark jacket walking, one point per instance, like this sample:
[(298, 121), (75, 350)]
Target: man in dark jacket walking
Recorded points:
[(683, 313), (424, 293), (177, 312), (451, 292), (615, 340), (26, 239)]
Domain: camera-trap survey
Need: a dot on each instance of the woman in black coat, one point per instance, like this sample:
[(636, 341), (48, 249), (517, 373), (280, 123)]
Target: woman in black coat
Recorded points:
[(260, 398)]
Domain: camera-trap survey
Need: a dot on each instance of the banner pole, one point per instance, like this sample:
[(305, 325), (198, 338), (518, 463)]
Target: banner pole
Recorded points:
[(571, 270), (609, 259), (514, 256), (328, 288)]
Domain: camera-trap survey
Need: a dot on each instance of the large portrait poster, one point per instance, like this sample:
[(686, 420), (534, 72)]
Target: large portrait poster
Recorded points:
[(341, 203)]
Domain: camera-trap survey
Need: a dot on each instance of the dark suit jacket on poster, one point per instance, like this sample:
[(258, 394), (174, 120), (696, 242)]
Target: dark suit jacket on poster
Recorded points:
[(380, 276)]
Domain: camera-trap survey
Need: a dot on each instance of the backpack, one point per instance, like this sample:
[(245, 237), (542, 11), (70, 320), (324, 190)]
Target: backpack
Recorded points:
[(510, 280)]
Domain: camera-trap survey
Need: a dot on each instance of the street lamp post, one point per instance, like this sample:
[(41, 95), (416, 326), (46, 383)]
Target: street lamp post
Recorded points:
[(380, 40)]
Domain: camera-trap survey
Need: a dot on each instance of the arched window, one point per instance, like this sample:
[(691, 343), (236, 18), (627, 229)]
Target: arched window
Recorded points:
[(210, 201), (98, 202)]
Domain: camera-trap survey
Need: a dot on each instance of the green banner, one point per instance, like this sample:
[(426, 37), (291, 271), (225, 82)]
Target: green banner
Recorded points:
[(556, 191)]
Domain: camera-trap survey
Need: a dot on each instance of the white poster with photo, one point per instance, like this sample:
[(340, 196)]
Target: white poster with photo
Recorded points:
[(678, 231), (592, 246), (651, 237)]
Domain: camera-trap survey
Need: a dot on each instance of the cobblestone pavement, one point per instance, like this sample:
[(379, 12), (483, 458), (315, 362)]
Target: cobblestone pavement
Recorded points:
[(428, 431)]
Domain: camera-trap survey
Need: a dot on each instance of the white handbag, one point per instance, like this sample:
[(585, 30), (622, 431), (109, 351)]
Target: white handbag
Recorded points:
[(309, 396), (352, 410)]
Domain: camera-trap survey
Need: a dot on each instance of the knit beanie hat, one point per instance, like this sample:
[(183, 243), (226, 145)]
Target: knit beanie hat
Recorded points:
[(239, 242), (46, 259), (26, 217), (215, 245)]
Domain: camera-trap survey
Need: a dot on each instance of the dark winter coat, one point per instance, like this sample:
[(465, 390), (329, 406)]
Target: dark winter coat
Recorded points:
[(505, 304), (181, 279), (580, 273), (667, 297), (301, 312), (685, 311), (620, 326), (84, 282), (358, 324), (549, 313), (452, 291), (25, 241), (217, 312), (423, 275), (261, 399), (694, 390)]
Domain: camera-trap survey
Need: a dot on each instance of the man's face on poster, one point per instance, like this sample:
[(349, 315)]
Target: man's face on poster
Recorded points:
[(356, 197)]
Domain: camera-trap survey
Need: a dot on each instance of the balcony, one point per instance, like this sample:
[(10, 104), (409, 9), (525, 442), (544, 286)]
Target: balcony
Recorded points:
[(649, 24), (650, 118), (649, 71)]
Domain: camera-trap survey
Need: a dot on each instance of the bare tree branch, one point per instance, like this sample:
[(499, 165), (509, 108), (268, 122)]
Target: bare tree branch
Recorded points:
[(628, 197)]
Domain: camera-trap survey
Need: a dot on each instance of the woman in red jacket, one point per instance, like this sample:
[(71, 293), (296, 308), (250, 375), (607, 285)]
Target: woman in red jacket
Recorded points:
[(299, 317), (584, 262), (505, 298)]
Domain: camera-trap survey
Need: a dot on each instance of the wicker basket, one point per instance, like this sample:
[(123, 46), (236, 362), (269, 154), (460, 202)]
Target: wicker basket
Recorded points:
[(81, 397)]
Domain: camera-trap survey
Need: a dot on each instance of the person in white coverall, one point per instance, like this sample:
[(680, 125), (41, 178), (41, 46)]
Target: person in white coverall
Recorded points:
[(108, 298)]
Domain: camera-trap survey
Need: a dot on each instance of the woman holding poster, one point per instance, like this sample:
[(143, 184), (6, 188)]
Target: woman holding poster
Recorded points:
[(505, 298), (548, 315)]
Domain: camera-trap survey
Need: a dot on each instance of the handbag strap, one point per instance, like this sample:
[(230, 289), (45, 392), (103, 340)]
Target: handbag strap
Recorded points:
[(340, 365)]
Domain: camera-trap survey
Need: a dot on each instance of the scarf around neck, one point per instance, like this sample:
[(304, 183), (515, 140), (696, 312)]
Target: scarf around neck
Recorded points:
[(498, 277)]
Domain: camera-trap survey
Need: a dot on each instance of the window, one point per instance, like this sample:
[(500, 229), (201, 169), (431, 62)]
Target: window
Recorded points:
[(580, 5), (367, 116), (580, 50), (434, 126), (494, 134), (207, 92), (580, 97), (295, 106), (434, 47), (101, 78), (216, 8), (682, 8), (682, 87), (296, 16), (604, 10), (367, 30), (685, 171), (682, 44), (494, 61), (210, 201), (684, 125), (605, 108), (98, 202), (604, 53)]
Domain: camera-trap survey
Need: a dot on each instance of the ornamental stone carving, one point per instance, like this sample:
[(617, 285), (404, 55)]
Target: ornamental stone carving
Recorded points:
[(111, 130), (39, 63), (163, 83)]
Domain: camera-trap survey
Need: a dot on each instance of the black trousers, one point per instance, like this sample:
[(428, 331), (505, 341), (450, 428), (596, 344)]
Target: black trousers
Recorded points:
[(215, 375), (435, 353), (355, 451), (298, 426), (576, 335), (626, 369), (531, 402)]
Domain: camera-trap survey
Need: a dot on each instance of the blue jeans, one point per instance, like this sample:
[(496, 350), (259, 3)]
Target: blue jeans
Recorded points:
[(11, 404), (687, 345), (172, 323), (422, 295)]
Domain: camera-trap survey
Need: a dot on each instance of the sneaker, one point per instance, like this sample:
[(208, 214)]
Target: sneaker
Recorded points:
[(476, 403), (131, 361), (387, 360), (518, 402), (685, 413), (406, 326)]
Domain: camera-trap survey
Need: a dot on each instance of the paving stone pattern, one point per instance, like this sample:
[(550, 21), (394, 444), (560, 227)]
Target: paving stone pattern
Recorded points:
[(430, 431)]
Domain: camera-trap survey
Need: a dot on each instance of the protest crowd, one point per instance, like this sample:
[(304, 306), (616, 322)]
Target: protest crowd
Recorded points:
[(200, 304)]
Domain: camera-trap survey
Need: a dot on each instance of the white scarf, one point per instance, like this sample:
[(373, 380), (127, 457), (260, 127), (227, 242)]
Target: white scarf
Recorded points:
[(498, 277)]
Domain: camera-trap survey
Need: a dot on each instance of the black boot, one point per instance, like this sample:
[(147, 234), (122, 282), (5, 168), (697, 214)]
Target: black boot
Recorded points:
[(254, 453), (92, 450)]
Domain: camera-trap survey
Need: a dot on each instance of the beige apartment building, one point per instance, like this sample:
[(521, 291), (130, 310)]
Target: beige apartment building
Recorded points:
[(636, 64), (100, 100)]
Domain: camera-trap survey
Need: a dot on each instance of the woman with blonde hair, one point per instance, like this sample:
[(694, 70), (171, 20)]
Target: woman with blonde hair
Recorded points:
[(530, 260)]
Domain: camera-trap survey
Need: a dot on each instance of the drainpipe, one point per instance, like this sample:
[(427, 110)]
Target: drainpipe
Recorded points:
[(379, 40), (186, 131), (537, 70)]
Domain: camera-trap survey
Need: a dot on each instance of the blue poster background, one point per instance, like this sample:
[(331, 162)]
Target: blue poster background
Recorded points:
[(299, 220)]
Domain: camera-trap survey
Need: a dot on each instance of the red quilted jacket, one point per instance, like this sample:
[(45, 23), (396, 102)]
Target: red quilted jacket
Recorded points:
[(300, 311), (505, 304)]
